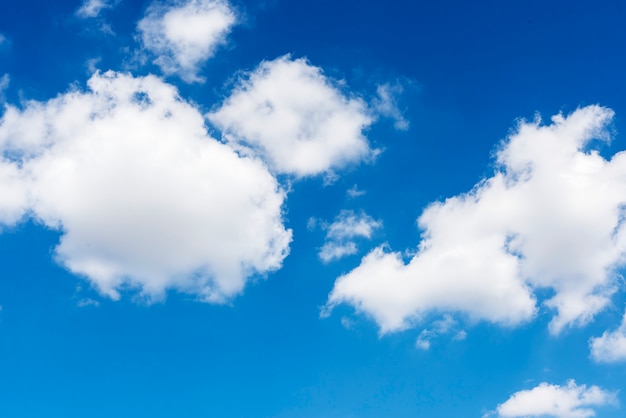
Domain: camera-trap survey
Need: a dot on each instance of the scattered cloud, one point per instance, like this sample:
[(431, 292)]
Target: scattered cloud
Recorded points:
[(83, 303), (184, 34), (92, 8), (140, 193), (354, 192), (444, 326), (349, 225), (611, 346), (341, 234), (335, 250), (386, 104), (92, 65), (295, 118), (551, 217), (546, 400), (5, 80), (346, 322), (4, 42)]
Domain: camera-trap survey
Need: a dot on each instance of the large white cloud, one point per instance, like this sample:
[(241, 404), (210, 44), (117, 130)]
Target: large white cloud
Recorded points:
[(551, 217), (546, 400), (610, 347), (183, 34), (296, 118), (142, 195)]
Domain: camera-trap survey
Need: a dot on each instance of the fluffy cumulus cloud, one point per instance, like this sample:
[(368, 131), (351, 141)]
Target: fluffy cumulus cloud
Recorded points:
[(611, 346), (551, 217), (290, 114), (140, 193), (342, 232), (183, 34), (546, 400), (92, 8)]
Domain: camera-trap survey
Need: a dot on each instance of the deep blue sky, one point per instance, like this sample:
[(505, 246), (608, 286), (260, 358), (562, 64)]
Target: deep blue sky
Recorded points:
[(469, 72)]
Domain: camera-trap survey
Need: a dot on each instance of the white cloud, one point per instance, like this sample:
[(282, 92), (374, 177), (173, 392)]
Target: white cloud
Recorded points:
[(87, 302), (386, 104), (611, 346), (424, 340), (142, 195), (349, 224), (551, 217), (184, 34), (334, 251), (443, 326), (5, 80), (354, 192), (546, 400), (4, 42), (92, 8), (341, 234), (295, 118)]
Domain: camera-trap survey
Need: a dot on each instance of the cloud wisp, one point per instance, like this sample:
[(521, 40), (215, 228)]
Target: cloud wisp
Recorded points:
[(551, 217), (93, 8), (386, 104), (444, 326), (342, 233)]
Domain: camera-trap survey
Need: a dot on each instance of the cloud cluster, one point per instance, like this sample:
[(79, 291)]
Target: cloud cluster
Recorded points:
[(551, 217), (142, 195), (341, 234), (611, 346), (184, 34), (546, 400), (287, 112)]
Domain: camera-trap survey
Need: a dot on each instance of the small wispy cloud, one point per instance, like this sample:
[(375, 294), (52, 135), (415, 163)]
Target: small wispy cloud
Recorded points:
[(87, 302), (354, 191), (93, 8), (4, 41), (342, 232), (445, 326), (5, 80), (386, 104)]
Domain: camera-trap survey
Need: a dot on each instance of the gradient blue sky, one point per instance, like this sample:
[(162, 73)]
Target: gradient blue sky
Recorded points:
[(440, 88)]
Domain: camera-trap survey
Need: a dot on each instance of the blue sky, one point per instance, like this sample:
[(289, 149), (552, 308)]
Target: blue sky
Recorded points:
[(312, 209)]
